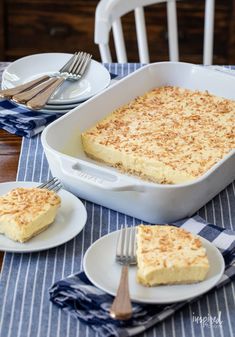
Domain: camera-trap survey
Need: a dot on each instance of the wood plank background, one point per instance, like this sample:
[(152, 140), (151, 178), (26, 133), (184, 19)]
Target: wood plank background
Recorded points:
[(34, 26), (9, 155)]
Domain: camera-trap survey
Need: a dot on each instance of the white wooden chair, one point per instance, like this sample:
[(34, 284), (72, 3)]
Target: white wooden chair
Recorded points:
[(108, 16)]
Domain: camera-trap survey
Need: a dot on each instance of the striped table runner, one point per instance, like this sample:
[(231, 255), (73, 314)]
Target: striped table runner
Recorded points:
[(25, 309)]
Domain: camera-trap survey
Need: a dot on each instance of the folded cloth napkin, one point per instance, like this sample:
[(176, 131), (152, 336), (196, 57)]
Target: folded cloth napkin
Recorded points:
[(21, 121), (77, 296), (25, 122)]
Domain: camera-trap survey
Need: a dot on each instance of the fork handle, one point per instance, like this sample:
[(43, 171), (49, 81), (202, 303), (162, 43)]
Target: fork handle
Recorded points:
[(9, 93), (41, 99), (26, 96), (121, 307)]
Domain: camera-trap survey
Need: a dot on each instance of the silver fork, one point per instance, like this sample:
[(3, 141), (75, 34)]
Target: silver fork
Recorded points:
[(74, 72), (53, 184), (125, 255), (9, 93)]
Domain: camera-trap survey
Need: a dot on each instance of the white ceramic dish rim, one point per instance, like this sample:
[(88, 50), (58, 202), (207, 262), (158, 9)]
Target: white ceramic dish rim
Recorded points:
[(135, 181)]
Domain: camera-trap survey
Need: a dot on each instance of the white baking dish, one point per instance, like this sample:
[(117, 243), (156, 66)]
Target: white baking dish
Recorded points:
[(154, 203)]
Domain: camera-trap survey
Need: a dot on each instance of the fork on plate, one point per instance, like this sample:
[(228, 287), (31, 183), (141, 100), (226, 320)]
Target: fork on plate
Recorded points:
[(9, 93), (36, 98), (36, 93), (126, 256), (53, 184)]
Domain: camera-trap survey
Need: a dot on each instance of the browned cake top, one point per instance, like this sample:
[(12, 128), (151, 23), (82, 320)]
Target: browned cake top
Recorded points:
[(187, 130), (24, 204), (168, 246)]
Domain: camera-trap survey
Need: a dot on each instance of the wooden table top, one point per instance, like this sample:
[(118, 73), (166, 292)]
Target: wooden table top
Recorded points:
[(9, 156)]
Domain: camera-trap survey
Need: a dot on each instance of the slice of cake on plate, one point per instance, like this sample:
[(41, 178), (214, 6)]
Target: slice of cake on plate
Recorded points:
[(25, 212), (169, 255)]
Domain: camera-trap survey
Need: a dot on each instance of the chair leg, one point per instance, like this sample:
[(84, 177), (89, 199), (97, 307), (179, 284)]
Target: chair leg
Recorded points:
[(141, 35), (119, 41), (105, 53), (208, 32), (172, 31)]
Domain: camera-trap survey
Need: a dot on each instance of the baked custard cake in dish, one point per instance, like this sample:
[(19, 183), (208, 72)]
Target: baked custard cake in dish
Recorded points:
[(169, 255), (25, 212), (169, 135)]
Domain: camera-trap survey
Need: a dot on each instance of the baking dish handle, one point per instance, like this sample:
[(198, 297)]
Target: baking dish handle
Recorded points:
[(98, 177)]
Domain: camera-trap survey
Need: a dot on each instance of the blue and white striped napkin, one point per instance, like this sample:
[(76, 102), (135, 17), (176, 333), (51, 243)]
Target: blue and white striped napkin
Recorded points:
[(78, 297), (21, 121)]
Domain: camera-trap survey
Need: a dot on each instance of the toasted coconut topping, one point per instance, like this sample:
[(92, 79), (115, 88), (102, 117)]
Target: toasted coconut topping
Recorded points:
[(186, 131), (169, 247), (23, 204)]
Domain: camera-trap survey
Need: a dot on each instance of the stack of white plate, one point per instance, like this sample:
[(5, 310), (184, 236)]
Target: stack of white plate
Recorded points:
[(69, 94)]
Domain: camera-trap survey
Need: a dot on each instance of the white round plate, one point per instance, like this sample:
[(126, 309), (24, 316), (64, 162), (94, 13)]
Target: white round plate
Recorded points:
[(46, 110), (70, 220), (52, 109), (104, 272), (63, 108), (30, 67)]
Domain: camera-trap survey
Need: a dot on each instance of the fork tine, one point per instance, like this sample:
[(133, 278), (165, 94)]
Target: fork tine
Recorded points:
[(133, 244), (47, 182), (76, 61), (126, 245), (70, 61), (120, 244), (79, 65), (55, 187), (85, 64), (53, 184)]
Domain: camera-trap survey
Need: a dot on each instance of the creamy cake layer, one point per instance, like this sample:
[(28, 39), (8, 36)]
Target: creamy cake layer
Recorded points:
[(169, 135), (25, 212), (169, 255)]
